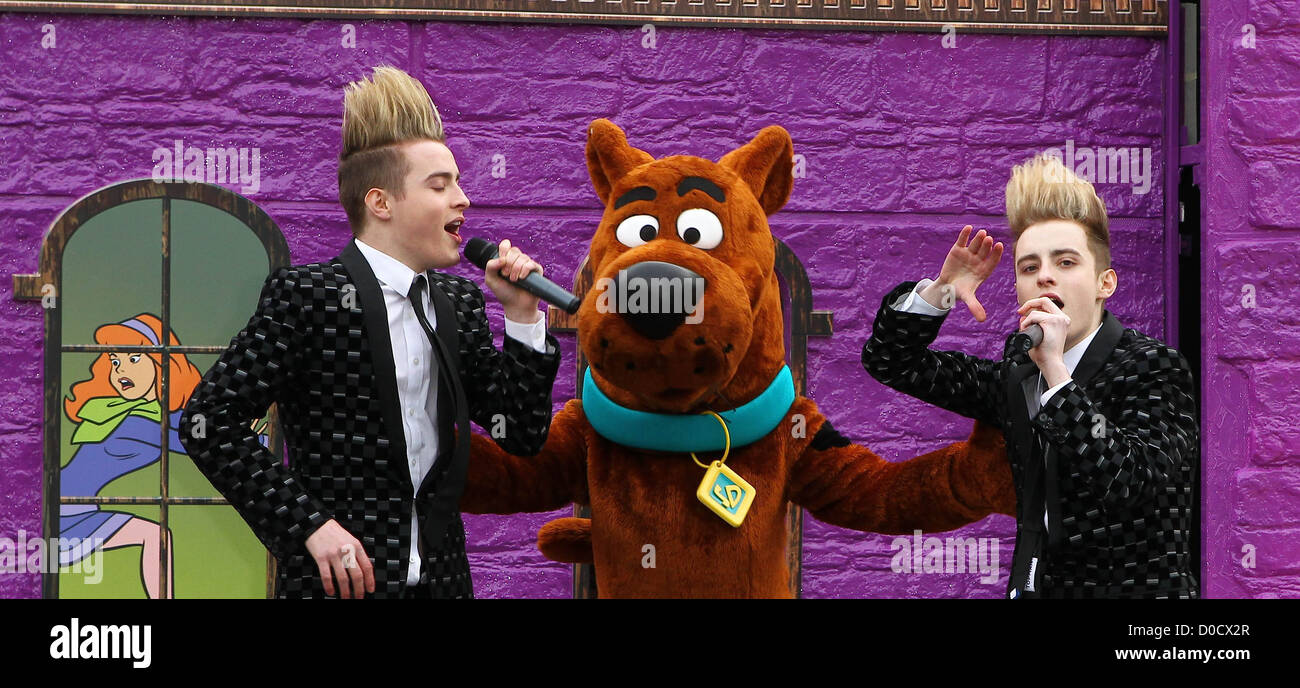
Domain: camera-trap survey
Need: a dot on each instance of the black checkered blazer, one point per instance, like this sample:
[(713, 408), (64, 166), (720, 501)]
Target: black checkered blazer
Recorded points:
[(1124, 439), (318, 347)]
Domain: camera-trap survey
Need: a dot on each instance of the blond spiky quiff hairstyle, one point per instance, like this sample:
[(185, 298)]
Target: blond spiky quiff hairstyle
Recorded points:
[(389, 107), (1044, 189), (380, 113)]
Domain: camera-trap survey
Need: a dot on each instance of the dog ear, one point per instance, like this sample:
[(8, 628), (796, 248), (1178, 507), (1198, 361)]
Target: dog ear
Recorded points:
[(766, 164), (609, 156)]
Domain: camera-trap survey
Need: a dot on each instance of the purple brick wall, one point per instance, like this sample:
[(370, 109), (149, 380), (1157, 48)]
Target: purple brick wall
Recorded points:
[(1251, 59), (904, 142)]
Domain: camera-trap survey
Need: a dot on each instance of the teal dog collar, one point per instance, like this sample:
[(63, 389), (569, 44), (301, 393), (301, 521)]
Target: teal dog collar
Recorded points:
[(685, 432)]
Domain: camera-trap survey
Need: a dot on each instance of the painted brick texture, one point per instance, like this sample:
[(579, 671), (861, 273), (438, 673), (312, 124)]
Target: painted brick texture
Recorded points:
[(903, 142), (1251, 288)]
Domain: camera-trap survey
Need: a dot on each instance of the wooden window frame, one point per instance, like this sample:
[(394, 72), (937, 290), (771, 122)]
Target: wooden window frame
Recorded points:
[(35, 287)]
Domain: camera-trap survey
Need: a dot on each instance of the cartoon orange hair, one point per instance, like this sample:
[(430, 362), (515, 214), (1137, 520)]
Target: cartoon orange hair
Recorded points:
[(142, 330)]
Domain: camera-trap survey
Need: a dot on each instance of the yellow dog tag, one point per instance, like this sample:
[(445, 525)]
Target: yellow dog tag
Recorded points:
[(726, 493)]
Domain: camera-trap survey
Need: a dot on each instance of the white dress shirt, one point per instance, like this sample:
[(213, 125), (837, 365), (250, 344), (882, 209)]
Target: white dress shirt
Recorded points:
[(415, 366), (914, 303)]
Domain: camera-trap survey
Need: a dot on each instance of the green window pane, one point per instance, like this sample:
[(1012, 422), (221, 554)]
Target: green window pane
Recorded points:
[(112, 268), (218, 267), (216, 555)]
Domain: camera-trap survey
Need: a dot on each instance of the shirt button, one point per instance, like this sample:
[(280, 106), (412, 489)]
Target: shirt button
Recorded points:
[(415, 361), (410, 412)]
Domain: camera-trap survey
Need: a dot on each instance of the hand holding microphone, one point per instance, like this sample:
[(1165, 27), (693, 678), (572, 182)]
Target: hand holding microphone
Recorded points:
[(1044, 310), (516, 280), (1042, 319)]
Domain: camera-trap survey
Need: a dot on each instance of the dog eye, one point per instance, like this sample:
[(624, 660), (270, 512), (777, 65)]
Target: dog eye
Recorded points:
[(637, 230), (700, 228)]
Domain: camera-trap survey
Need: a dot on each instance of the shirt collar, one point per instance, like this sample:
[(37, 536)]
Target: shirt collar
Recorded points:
[(390, 271), (1076, 352)]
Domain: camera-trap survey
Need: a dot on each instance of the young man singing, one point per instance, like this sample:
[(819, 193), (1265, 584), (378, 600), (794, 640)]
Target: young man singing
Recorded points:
[(1099, 420), (377, 364)]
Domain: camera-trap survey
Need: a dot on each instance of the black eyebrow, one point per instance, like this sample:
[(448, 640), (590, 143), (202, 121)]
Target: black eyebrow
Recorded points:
[(701, 184), (640, 193)]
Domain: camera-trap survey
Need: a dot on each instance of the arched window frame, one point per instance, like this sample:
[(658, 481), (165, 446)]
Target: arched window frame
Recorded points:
[(46, 287)]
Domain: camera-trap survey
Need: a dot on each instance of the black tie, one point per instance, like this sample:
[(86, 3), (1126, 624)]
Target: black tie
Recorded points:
[(1031, 535), (416, 295), (450, 475)]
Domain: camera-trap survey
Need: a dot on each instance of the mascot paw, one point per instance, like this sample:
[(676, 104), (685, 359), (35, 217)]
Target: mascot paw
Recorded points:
[(985, 437), (566, 540), (994, 482)]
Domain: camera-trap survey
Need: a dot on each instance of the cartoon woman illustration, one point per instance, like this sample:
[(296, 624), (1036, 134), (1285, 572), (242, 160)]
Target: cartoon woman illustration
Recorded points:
[(119, 416)]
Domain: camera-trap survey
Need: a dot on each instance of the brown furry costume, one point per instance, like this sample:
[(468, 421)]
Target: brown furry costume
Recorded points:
[(640, 497)]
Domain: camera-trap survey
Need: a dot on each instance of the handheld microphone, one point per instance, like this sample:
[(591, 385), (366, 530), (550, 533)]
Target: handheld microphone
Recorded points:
[(1030, 338), (479, 251)]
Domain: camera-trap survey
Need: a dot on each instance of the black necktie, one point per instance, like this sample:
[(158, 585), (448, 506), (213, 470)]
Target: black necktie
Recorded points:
[(416, 295), (449, 475), (1031, 535)]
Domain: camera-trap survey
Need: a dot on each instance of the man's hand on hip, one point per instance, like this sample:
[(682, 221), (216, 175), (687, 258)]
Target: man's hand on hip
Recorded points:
[(340, 557)]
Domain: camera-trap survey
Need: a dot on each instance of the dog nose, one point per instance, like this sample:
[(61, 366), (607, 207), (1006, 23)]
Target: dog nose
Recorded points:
[(655, 297)]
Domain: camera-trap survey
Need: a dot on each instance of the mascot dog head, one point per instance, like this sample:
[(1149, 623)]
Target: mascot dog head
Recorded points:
[(685, 291)]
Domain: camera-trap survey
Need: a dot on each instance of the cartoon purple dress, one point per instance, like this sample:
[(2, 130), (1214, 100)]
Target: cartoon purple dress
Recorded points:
[(117, 436)]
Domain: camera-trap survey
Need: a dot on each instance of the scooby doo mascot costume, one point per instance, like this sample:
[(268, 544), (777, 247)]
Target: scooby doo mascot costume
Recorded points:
[(689, 435)]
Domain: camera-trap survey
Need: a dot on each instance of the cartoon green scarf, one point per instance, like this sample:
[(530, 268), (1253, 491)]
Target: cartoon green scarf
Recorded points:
[(101, 416)]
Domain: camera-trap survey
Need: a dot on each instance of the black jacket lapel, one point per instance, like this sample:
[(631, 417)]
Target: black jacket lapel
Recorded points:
[(445, 484), (375, 315), (1022, 432), (1018, 367), (1029, 536), (1096, 355), (448, 328), (1102, 346), (448, 332), (445, 324)]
